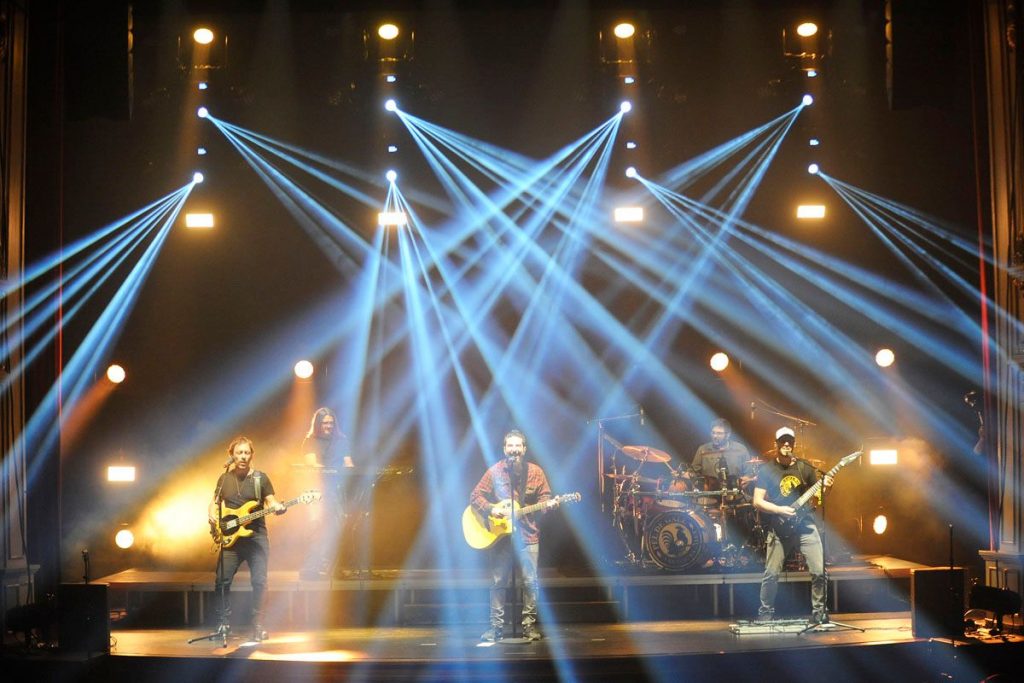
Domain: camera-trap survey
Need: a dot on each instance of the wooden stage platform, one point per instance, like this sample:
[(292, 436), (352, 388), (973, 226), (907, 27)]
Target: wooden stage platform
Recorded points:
[(411, 597)]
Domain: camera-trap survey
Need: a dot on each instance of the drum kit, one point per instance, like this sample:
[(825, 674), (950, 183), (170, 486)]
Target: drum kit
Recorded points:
[(682, 522)]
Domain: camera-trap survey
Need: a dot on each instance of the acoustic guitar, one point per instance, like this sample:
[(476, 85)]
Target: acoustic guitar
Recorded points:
[(483, 532)]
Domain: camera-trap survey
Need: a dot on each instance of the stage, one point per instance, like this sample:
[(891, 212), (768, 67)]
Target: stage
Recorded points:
[(657, 650)]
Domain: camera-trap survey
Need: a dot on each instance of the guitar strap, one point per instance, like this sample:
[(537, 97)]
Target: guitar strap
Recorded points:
[(257, 480)]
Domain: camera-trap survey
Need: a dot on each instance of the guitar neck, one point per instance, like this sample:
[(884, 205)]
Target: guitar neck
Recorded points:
[(813, 490), (265, 511)]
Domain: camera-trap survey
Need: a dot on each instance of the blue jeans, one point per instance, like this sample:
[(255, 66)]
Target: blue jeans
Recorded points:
[(501, 570), (809, 543), (254, 551)]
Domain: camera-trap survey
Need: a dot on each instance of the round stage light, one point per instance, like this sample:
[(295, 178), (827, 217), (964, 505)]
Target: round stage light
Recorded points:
[(387, 31), (813, 169), (880, 524), (202, 112), (811, 73), (116, 374), (719, 362), (807, 100), (203, 36), (885, 358), (391, 176), (814, 142), (624, 30), (124, 539), (201, 151), (807, 29), (630, 145), (198, 177), (628, 80), (203, 85), (626, 107), (391, 105), (391, 78), (303, 369), (631, 172)]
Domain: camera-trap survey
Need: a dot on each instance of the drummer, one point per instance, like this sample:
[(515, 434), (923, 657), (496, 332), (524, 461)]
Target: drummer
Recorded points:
[(722, 452)]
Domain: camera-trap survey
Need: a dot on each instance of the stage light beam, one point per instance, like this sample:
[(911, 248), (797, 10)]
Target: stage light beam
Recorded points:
[(392, 219)]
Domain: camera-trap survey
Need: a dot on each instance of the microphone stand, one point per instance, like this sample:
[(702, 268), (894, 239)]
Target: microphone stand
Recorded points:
[(224, 628), (825, 622), (516, 616)]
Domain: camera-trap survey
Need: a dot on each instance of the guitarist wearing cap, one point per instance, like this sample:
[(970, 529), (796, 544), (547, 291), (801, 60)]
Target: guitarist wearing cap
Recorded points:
[(780, 483), (531, 488)]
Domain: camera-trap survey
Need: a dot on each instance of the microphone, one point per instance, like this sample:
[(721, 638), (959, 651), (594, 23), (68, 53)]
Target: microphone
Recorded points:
[(753, 409), (231, 459), (641, 416), (971, 398)]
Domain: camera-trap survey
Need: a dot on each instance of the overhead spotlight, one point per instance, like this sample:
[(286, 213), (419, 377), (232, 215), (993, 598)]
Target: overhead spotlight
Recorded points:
[(807, 100), (121, 473), (813, 169), (392, 149), (202, 112), (124, 539), (391, 176), (629, 80), (880, 523), (198, 177), (203, 85), (630, 145), (203, 36), (391, 105), (116, 374), (814, 142), (201, 151), (631, 172), (629, 214), (303, 369), (626, 107), (624, 30), (391, 78), (392, 219), (719, 362), (807, 29), (812, 73), (885, 358), (198, 220), (810, 211), (883, 456), (387, 31)]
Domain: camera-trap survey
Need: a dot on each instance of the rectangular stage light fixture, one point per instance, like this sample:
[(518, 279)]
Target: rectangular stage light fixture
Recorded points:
[(810, 211), (121, 473), (629, 214), (392, 219), (882, 456), (198, 220)]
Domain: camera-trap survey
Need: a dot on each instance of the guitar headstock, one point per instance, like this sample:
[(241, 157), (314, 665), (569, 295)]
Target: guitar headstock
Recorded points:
[(850, 458), (307, 497), (572, 497)]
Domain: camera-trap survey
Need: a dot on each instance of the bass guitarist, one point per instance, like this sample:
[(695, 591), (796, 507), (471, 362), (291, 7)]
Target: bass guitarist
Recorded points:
[(779, 484), (531, 487), (239, 485)]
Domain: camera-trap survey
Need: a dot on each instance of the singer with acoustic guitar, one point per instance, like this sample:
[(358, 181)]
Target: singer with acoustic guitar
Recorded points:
[(491, 498), (236, 488)]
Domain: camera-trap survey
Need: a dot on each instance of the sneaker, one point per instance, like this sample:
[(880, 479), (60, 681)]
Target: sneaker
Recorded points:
[(765, 615), (491, 635), (531, 632), (816, 619), (259, 633)]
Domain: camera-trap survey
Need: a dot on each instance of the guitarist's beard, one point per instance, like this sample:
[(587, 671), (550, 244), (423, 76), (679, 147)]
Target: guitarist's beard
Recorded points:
[(517, 466)]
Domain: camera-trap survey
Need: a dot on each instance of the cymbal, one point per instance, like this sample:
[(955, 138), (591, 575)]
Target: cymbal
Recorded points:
[(646, 454), (756, 461)]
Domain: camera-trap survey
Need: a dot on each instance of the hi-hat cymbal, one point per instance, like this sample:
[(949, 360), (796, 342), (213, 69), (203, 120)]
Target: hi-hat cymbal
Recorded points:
[(646, 454), (623, 477)]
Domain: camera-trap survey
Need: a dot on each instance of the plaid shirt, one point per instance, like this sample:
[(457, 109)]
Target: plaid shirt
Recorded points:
[(495, 486)]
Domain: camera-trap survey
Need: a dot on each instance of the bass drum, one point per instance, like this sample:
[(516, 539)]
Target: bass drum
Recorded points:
[(678, 540)]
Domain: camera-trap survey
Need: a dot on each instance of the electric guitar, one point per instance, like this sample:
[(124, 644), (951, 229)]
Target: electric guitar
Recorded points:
[(483, 532), (785, 526), (234, 522)]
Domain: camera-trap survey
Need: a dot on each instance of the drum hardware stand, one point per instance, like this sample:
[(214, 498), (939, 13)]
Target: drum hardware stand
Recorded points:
[(826, 623)]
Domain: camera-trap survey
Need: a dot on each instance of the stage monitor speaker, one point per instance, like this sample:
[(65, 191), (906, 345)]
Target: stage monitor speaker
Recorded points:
[(937, 602), (83, 617)]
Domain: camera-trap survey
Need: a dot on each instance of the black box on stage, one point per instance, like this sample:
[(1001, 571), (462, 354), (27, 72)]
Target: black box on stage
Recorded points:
[(83, 617), (937, 602)]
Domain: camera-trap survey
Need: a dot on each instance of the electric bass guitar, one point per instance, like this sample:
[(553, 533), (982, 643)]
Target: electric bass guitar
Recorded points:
[(483, 532), (234, 522), (786, 526)]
